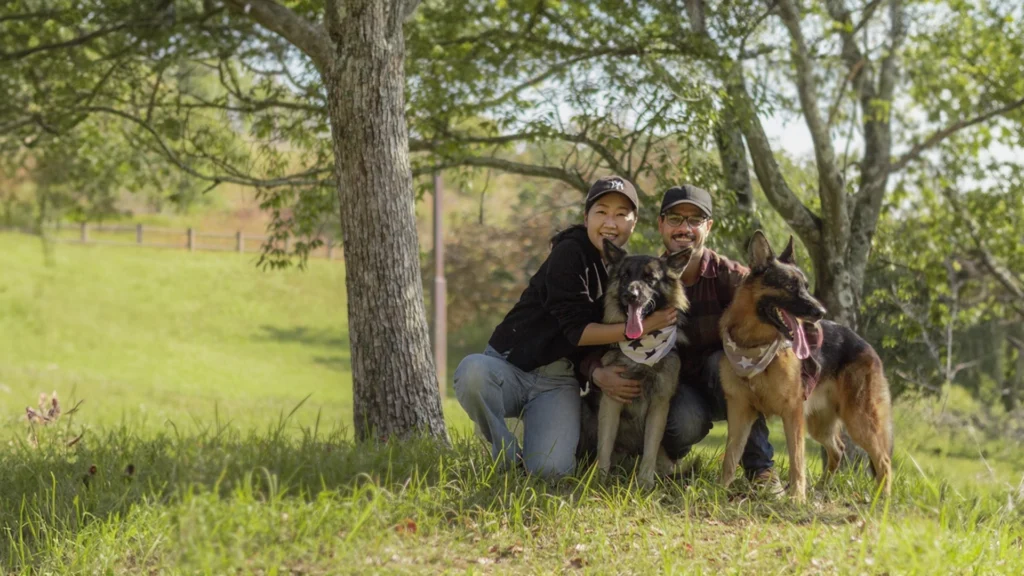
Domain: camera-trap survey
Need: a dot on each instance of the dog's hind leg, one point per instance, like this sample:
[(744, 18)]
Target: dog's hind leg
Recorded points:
[(869, 434), (868, 421), (823, 426), (607, 430)]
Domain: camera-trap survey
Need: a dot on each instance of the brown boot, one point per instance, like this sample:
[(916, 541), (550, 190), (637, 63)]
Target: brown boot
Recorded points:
[(767, 482)]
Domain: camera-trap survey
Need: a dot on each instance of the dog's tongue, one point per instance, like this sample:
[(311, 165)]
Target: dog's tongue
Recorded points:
[(634, 322), (796, 326)]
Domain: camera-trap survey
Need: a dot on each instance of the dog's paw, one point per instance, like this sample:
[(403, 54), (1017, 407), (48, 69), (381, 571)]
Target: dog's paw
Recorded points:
[(647, 476)]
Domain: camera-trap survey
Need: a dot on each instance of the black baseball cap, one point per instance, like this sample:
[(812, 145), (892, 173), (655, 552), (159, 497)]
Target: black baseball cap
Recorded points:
[(686, 194), (612, 184)]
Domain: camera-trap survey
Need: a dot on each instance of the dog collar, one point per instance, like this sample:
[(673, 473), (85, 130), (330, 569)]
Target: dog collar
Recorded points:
[(749, 362), (650, 349)]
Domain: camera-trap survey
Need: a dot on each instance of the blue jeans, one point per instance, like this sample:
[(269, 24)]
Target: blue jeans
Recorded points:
[(547, 399), (696, 405)]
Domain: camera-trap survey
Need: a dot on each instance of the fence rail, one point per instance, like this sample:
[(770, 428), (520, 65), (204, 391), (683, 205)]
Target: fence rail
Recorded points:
[(190, 238)]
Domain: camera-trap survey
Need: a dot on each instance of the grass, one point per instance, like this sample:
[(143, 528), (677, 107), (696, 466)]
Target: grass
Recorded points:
[(199, 455), (147, 336), (218, 501)]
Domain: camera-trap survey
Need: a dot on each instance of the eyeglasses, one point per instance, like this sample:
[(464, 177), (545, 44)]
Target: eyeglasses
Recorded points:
[(676, 220)]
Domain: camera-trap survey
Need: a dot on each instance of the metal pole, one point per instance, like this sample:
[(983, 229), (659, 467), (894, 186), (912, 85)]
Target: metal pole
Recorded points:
[(440, 291)]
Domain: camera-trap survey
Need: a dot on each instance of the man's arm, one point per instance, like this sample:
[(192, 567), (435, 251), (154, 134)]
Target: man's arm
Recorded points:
[(730, 275)]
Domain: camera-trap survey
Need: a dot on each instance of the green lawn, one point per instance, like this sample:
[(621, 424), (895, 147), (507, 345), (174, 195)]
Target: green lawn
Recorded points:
[(148, 335), (189, 365)]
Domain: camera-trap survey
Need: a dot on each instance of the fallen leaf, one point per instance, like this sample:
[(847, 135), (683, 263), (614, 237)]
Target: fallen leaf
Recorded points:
[(407, 526), (508, 552)]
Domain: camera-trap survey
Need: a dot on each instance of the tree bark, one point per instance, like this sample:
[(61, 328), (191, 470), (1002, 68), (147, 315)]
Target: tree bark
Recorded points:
[(395, 386), (733, 156)]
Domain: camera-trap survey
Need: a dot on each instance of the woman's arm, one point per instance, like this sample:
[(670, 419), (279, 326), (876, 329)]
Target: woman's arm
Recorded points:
[(596, 334)]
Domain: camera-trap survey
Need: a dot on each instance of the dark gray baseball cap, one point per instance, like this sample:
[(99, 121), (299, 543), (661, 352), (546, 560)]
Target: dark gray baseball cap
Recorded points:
[(612, 184), (686, 194)]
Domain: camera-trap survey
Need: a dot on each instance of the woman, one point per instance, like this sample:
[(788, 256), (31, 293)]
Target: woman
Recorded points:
[(528, 367)]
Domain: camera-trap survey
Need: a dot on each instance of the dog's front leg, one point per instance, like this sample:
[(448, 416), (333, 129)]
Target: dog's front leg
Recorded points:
[(741, 417), (793, 424), (654, 431), (607, 430)]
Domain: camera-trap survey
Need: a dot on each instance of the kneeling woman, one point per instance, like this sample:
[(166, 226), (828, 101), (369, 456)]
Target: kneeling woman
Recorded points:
[(528, 368)]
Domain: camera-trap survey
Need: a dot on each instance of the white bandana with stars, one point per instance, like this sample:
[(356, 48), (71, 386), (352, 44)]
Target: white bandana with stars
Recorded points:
[(749, 362), (651, 348)]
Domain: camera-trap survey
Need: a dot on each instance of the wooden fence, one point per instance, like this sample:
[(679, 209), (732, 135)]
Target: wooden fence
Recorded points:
[(190, 239)]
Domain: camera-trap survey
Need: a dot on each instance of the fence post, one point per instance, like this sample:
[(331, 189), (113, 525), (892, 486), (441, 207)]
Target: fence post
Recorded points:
[(239, 242), (85, 232), (288, 243), (191, 240), (440, 291), (330, 248), (138, 233)]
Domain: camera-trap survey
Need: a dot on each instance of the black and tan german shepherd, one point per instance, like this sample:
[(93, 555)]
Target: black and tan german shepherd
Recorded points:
[(637, 286), (768, 331)]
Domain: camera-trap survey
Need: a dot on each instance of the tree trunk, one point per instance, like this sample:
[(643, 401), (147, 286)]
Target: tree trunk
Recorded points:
[(837, 288), (733, 156), (395, 386)]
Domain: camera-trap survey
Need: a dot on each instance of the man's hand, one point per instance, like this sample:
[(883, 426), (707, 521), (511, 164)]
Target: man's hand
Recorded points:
[(611, 382), (660, 319)]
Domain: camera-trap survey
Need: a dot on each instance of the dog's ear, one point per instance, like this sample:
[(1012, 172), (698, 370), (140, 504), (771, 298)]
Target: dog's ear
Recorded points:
[(677, 262), (760, 251), (787, 255), (612, 253)]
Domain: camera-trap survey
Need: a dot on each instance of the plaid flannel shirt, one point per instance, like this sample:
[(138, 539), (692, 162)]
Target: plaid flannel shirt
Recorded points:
[(709, 296)]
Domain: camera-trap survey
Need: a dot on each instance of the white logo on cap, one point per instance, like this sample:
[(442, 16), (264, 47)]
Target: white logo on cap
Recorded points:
[(615, 185)]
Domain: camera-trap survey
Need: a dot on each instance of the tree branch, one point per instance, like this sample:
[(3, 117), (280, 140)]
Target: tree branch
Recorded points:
[(312, 40), (613, 162), (550, 172), (1012, 283), (30, 16), (408, 7), (80, 40), (830, 189), (915, 152), (416, 145), (889, 72), (301, 179), (804, 222), (553, 69)]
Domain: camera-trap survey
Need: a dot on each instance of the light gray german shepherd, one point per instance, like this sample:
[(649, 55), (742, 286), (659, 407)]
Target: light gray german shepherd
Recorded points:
[(637, 286)]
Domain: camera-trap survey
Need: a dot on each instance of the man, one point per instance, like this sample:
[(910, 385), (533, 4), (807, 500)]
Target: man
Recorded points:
[(710, 281)]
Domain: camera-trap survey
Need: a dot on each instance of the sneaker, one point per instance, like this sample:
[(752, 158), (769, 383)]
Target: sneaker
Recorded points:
[(767, 482)]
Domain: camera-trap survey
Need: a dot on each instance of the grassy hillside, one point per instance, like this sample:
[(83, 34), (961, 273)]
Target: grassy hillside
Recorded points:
[(148, 335)]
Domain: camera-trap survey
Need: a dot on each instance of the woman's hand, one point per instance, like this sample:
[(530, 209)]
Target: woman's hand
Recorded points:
[(611, 382), (660, 319)]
